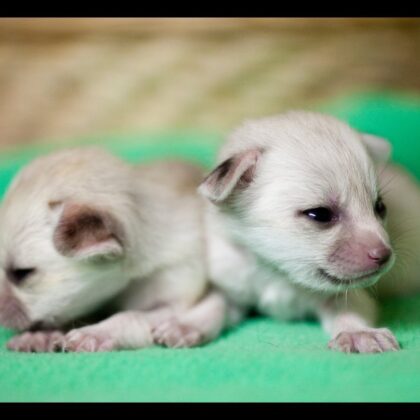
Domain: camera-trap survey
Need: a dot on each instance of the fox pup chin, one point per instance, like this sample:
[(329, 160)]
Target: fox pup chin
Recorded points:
[(80, 228), (304, 215)]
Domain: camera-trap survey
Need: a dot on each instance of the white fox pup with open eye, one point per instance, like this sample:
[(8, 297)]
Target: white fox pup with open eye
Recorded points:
[(79, 228), (296, 225)]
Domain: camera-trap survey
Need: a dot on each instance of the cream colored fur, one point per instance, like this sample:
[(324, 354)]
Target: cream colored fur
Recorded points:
[(264, 254), (155, 271)]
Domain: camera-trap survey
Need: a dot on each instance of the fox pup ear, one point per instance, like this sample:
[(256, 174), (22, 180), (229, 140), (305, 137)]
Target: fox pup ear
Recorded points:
[(378, 148), (235, 172), (87, 233)]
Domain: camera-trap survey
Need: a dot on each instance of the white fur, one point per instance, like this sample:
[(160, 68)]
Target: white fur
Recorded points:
[(263, 253), (158, 269)]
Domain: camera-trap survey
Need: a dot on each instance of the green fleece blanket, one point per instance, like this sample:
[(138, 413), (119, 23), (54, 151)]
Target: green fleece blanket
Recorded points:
[(261, 360)]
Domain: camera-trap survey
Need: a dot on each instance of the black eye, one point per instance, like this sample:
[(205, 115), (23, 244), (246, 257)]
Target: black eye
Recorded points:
[(320, 214), (18, 275), (380, 208)]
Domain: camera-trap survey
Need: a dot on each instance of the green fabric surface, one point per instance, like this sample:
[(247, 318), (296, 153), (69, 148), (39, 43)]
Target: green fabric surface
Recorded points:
[(261, 360)]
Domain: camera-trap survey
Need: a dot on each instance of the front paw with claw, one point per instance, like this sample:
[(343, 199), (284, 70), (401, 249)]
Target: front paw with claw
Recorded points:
[(87, 340), (38, 342), (365, 341), (176, 335)]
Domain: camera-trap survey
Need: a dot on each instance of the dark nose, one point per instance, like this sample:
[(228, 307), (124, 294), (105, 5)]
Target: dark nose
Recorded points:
[(380, 255)]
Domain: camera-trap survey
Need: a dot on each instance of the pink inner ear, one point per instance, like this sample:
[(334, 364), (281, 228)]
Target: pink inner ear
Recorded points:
[(81, 228), (247, 176), (239, 170)]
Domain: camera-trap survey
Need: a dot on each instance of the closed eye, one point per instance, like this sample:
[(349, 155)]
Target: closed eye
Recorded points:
[(19, 275)]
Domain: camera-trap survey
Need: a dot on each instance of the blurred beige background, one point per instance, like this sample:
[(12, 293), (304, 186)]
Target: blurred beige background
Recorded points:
[(64, 78)]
